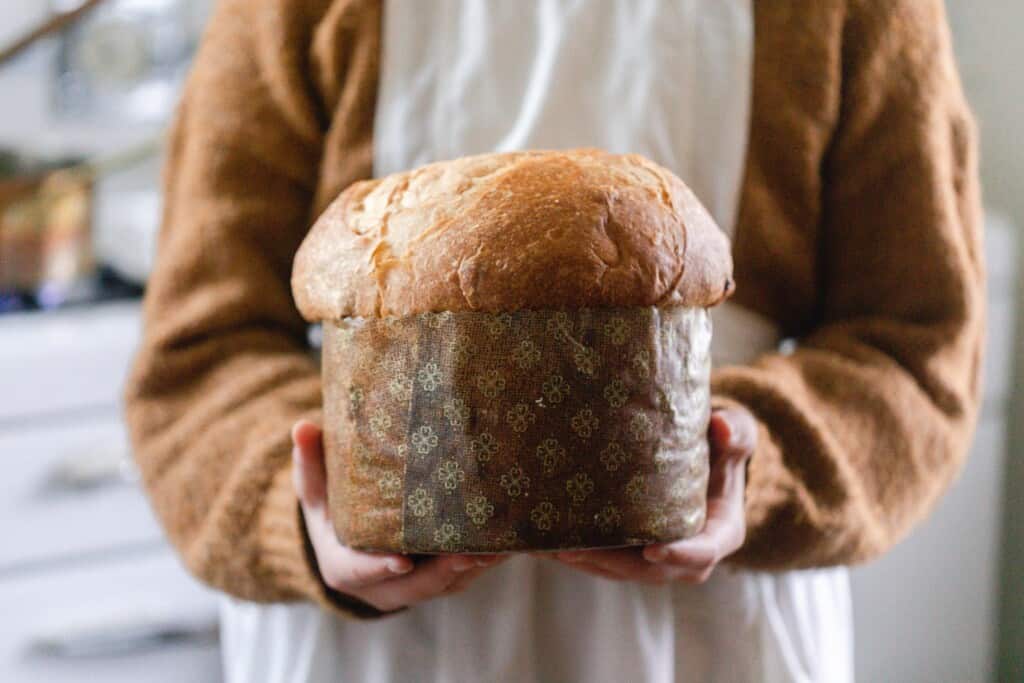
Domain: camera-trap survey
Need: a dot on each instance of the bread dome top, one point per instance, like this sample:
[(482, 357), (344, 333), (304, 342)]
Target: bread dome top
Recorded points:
[(501, 232)]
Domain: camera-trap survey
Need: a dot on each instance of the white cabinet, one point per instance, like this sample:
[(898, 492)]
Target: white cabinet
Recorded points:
[(89, 589), (68, 490), (134, 619), (927, 610)]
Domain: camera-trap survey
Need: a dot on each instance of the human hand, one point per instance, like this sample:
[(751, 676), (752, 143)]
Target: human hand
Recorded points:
[(732, 436), (385, 581)]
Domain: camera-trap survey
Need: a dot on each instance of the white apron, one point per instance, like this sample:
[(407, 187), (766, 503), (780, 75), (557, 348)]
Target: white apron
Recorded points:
[(669, 79)]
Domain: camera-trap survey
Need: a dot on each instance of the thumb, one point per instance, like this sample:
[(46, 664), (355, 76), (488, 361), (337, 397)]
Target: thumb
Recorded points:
[(309, 474), (733, 434)]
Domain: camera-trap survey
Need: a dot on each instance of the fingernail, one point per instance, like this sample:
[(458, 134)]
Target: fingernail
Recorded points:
[(464, 564), (656, 554), (485, 561), (399, 566)]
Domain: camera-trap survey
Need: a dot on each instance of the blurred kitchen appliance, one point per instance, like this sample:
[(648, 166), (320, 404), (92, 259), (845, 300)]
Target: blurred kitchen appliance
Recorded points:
[(125, 59)]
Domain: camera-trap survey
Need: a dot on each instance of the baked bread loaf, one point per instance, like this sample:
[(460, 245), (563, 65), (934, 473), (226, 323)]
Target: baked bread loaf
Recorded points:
[(516, 352)]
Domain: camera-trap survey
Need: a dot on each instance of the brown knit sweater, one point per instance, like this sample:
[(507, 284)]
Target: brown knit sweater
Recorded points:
[(859, 232)]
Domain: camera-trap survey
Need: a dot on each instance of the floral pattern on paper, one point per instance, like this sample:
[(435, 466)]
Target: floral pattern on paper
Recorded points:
[(479, 510), (525, 430), (519, 417), (456, 412), (544, 516), (484, 447), (420, 502), (429, 377), (526, 355), (424, 440), (551, 454), (579, 486), (450, 474), (584, 423), (555, 389), (491, 384), (615, 393), (515, 482), (614, 456)]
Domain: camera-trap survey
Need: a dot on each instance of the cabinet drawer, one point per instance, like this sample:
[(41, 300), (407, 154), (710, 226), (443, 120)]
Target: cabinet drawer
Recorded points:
[(57, 362), (139, 620), (64, 493)]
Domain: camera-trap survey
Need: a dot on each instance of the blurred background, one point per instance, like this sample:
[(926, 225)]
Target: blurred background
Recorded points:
[(89, 589)]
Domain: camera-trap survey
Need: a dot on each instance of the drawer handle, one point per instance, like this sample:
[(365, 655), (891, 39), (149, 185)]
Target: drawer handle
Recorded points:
[(108, 637), (92, 469)]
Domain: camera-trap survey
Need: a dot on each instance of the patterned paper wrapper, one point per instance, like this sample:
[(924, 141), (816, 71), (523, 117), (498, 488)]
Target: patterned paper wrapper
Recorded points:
[(532, 430)]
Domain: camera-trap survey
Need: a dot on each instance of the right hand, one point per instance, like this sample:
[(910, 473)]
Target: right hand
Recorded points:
[(385, 581)]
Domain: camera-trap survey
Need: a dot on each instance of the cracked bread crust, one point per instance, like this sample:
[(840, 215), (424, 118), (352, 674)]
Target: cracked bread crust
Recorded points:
[(510, 231)]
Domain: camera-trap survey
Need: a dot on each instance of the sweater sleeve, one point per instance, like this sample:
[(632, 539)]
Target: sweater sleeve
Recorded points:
[(865, 424), (223, 370)]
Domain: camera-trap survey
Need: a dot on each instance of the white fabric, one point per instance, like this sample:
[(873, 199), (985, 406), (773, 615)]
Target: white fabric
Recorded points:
[(670, 79)]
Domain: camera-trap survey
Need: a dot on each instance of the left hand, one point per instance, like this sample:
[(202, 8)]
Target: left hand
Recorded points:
[(732, 436)]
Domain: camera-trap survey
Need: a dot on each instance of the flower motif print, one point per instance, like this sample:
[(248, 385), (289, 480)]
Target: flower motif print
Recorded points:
[(389, 485), (483, 447), (584, 423), (479, 510), (614, 456), (360, 453), (400, 388), (551, 455), (526, 355), (499, 323), (682, 488), (515, 482), (640, 427), (615, 393), (560, 326), (579, 486), (555, 389), (544, 516), (616, 330), (657, 524), (636, 489), (509, 539), (641, 362), (420, 503), (437, 320), (586, 360), (424, 439), (356, 395), (392, 363), (461, 349), (447, 537), (491, 384), (663, 461), (450, 474), (429, 376), (402, 450), (519, 417), (608, 518), (379, 423), (456, 412)]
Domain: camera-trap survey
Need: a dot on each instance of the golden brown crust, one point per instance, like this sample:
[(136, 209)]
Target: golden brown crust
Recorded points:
[(500, 232)]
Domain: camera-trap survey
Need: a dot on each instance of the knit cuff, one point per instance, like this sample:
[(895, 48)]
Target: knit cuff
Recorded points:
[(288, 554)]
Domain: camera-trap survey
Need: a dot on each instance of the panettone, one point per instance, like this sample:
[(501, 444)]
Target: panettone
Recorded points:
[(515, 353)]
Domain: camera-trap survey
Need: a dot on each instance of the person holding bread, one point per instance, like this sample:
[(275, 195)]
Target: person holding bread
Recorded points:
[(638, 327)]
